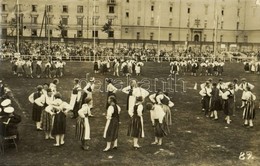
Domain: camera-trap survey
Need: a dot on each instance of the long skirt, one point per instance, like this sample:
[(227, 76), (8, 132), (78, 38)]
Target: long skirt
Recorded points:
[(216, 105), (135, 128), (59, 124), (159, 129), (47, 120), (249, 111), (82, 129), (130, 102), (228, 106), (111, 129), (36, 113)]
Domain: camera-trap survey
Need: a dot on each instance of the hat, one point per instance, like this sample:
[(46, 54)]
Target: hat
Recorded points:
[(243, 79), (39, 87), (6, 102), (210, 79), (220, 79), (92, 79), (9, 110)]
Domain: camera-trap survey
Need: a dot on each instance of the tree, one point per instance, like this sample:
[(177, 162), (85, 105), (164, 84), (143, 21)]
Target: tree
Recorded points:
[(107, 27)]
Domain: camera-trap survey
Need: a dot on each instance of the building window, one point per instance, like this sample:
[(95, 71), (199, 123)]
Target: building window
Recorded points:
[(111, 9), (221, 38), (4, 19), (171, 9), (170, 22), (95, 21), (94, 33), (4, 32), (34, 20), (49, 8), (126, 30), (188, 11), (236, 39), (34, 8), (80, 21), (221, 24), (152, 8), (151, 36), (222, 12), (4, 7), (96, 9), (65, 21), (238, 12), (79, 33), (206, 9), (138, 35), (152, 21), (80, 9), (50, 32), (245, 38), (138, 20), (34, 32), (205, 37), (127, 14), (237, 25), (65, 9), (111, 34), (170, 36), (49, 20), (65, 33), (127, 1), (205, 23), (188, 23)]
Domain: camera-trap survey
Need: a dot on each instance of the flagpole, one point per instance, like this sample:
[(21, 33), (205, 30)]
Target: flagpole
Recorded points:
[(94, 21), (18, 26), (159, 32), (215, 31)]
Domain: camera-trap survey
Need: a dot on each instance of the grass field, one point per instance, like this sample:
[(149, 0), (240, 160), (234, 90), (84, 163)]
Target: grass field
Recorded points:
[(194, 139)]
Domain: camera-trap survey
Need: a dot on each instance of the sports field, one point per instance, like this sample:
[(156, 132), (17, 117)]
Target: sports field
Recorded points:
[(194, 139)]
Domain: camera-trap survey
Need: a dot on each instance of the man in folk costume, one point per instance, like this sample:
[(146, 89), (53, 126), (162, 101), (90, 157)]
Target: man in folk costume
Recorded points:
[(206, 98), (59, 110), (216, 104), (203, 66), (164, 101), (228, 99), (136, 126), (112, 124), (75, 98), (130, 97), (243, 86), (203, 85), (37, 109), (87, 93), (82, 126), (157, 117), (249, 108)]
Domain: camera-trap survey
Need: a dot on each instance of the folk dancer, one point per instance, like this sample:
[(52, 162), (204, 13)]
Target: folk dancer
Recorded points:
[(215, 101), (243, 86), (249, 108), (136, 125), (157, 117), (228, 99), (87, 93), (36, 109), (111, 90), (59, 110), (112, 124), (82, 126), (75, 98), (206, 98)]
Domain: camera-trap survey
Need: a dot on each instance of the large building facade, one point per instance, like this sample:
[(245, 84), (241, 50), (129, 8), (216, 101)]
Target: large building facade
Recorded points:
[(172, 23)]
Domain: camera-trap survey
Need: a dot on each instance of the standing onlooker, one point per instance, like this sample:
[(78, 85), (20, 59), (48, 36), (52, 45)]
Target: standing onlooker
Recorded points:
[(249, 109), (112, 124)]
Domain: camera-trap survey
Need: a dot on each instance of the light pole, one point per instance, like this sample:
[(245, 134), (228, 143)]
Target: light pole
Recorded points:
[(18, 26)]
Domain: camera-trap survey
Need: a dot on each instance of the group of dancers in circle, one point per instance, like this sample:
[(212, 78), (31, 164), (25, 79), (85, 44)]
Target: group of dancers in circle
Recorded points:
[(252, 67), (49, 111), (217, 96)]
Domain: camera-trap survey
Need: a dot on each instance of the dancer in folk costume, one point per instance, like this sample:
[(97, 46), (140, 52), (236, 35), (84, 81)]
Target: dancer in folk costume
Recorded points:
[(96, 69), (38, 68), (157, 118), (164, 101), (59, 109), (216, 104), (249, 108), (203, 66), (87, 93), (82, 126), (75, 98), (37, 109), (206, 98), (129, 91), (112, 124), (136, 125), (138, 68), (243, 86), (116, 68), (28, 68), (111, 90), (44, 101), (20, 70), (47, 71), (228, 99)]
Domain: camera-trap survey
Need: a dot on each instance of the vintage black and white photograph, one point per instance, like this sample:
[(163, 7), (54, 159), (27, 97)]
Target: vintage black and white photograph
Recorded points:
[(130, 82)]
